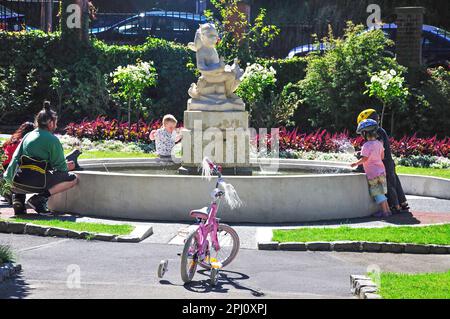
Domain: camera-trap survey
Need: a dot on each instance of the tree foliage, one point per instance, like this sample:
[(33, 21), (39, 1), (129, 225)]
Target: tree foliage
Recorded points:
[(332, 90), (240, 37)]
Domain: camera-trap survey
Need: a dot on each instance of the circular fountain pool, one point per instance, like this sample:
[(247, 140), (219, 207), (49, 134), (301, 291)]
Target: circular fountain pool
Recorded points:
[(279, 192)]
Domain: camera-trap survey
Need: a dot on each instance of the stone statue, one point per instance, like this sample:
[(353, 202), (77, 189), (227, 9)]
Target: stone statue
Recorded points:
[(215, 88)]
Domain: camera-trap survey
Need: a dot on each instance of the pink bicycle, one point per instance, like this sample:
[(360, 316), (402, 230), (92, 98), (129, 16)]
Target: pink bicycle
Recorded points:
[(211, 245)]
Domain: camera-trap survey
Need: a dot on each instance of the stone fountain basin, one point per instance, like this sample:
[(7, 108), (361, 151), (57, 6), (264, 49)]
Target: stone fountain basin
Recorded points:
[(267, 199)]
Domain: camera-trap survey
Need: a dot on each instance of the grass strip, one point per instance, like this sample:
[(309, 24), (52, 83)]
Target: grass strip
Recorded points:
[(434, 234)]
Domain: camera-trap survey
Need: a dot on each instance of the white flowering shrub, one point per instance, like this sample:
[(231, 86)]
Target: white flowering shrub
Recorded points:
[(267, 107), (86, 145), (388, 87)]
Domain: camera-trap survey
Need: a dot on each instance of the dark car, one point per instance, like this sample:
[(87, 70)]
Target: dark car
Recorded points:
[(435, 45), (10, 20), (173, 26)]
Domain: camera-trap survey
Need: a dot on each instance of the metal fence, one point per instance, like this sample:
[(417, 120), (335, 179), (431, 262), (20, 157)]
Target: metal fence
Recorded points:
[(19, 15)]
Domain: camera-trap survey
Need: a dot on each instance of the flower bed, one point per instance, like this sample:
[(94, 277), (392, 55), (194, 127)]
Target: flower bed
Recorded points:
[(290, 140)]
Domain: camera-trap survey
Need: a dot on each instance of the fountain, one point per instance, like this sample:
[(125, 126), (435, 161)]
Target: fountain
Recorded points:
[(217, 126), (215, 120)]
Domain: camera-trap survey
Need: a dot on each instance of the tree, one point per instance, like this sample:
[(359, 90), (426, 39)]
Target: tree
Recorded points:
[(131, 81), (332, 90), (388, 87), (240, 37)]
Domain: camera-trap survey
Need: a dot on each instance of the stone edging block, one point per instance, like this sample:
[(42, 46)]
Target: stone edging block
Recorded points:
[(9, 270), (139, 233), (356, 246), (363, 287)]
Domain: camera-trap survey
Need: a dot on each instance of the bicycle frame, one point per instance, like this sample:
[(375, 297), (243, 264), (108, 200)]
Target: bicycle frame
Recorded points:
[(210, 227)]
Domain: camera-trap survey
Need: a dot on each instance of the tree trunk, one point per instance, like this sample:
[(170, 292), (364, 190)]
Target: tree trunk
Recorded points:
[(382, 114), (75, 21), (129, 114), (47, 15), (392, 122), (138, 116)]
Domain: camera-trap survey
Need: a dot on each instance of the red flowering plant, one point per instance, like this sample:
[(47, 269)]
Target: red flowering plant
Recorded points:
[(289, 140), (105, 129)]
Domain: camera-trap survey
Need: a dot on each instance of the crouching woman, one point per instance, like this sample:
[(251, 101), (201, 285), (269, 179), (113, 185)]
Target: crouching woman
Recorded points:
[(38, 165)]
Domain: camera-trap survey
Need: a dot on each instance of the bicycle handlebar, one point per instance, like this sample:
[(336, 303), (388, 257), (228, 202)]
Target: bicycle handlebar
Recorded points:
[(217, 169)]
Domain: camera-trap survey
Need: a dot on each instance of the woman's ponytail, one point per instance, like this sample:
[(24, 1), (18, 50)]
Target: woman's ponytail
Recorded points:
[(45, 116)]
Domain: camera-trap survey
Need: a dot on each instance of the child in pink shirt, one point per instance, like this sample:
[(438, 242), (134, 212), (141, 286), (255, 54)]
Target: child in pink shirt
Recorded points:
[(372, 159)]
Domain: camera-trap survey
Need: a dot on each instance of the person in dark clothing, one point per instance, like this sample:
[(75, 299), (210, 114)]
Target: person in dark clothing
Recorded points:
[(396, 196)]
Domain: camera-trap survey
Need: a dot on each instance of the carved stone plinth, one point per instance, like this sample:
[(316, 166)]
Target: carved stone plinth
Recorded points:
[(223, 137)]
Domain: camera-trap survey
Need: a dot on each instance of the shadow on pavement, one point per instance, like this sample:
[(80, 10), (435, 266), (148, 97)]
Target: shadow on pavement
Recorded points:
[(403, 219), (226, 278), (16, 288)]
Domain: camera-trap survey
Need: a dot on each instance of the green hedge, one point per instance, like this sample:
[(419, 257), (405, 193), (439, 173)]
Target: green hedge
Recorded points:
[(86, 72), (84, 89), (288, 70)]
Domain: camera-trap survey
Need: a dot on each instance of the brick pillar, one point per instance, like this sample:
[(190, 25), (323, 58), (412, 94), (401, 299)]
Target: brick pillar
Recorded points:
[(409, 36)]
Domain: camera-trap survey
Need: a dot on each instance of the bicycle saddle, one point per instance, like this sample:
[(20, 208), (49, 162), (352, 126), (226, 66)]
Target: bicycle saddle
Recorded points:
[(201, 213)]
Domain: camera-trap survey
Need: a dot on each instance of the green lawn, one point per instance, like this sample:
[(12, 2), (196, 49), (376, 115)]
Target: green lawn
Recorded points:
[(122, 229), (444, 173), (436, 234), (5, 254), (415, 286)]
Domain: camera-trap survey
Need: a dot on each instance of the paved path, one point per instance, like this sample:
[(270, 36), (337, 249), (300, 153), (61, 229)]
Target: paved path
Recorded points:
[(122, 270), (426, 211)]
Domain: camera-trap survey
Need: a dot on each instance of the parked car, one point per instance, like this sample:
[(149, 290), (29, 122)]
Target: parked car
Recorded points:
[(170, 25), (10, 20), (435, 45)]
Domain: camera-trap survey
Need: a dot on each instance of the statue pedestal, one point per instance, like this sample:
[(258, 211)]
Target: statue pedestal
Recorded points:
[(223, 137)]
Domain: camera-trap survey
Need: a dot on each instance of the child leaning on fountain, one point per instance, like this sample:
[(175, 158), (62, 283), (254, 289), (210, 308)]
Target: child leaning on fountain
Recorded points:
[(372, 154), (166, 137)]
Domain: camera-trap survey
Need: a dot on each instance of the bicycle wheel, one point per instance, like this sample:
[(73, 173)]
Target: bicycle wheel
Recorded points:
[(229, 246), (189, 258)]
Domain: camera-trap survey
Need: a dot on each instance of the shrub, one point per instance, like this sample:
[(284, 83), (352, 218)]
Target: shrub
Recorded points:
[(105, 129), (258, 90), (290, 140), (324, 141), (77, 80), (287, 70), (6, 254), (388, 87), (425, 161), (332, 91), (131, 82), (427, 108)]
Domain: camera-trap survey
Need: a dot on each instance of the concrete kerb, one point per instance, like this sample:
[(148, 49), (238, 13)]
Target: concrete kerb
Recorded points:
[(139, 233), (363, 287), (356, 246)]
